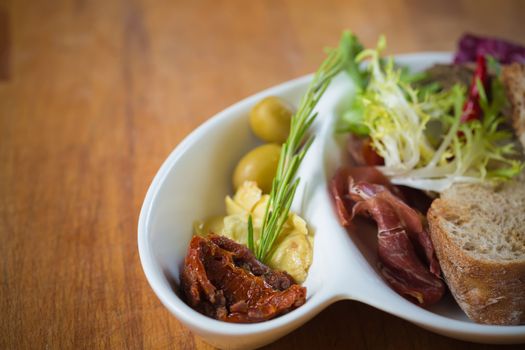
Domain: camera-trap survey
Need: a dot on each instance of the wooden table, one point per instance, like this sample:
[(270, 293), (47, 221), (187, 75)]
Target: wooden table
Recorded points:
[(93, 97)]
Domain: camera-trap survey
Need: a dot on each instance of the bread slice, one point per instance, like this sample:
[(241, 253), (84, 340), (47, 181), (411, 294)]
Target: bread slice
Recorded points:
[(513, 78), (478, 231)]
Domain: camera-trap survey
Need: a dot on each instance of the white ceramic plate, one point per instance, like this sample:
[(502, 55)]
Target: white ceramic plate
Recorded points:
[(193, 182)]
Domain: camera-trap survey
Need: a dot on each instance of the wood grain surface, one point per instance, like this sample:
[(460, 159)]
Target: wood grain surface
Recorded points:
[(93, 97)]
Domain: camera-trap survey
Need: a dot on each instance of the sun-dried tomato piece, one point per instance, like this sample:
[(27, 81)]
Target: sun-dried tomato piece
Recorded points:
[(223, 279)]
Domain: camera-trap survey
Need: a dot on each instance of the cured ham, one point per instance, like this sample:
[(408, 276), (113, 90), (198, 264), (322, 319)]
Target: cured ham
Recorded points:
[(223, 279), (361, 152), (340, 184), (406, 256)]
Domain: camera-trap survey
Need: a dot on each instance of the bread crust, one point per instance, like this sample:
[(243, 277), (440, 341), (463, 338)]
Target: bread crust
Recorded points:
[(490, 292)]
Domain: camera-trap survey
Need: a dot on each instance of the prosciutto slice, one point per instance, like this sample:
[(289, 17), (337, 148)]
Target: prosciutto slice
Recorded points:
[(340, 184), (223, 279), (361, 152), (406, 256)]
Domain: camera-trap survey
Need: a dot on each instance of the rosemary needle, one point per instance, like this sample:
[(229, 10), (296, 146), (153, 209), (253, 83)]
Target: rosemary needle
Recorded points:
[(294, 150)]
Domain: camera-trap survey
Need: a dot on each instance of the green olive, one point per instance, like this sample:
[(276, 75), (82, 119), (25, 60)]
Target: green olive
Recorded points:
[(270, 119), (259, 165)]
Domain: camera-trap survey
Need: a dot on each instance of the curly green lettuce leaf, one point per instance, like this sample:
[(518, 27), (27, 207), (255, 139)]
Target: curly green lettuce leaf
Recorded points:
[(352, 117), (420, 136)]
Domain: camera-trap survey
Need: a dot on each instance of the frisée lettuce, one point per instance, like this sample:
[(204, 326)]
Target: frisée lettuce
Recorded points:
[(419, 133)]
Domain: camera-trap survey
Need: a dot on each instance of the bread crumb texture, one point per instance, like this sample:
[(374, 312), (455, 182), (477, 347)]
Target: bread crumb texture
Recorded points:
[(487, 221)]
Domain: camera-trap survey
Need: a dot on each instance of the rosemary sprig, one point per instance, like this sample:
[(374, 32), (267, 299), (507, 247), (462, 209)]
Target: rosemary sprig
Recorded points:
[(250, 234), (294, 149)]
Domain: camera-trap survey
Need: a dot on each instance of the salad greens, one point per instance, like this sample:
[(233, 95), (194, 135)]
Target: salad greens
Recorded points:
[(418, 131)]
